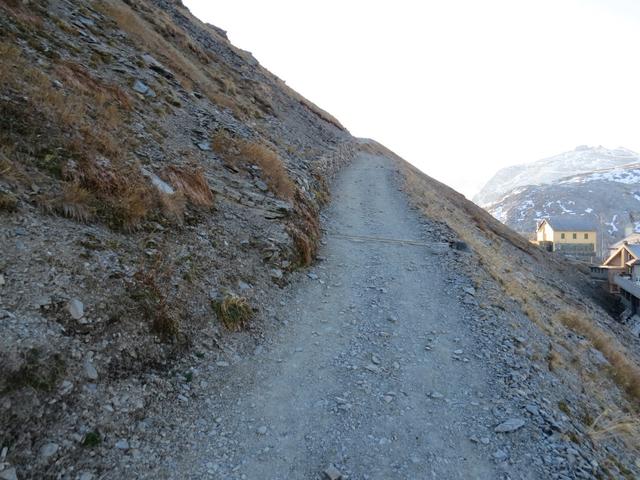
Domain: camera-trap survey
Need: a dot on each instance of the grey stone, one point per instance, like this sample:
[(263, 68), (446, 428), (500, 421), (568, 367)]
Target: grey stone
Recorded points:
[(372, 368), (597, 357), (90, 371), (312, 276), (86, 476), (140, 87), (48, 450), (204, 146), (436, 395), (65, 387), (510, 425), (375, 360), (261, 185), (8, 474), (262, 430), (470, 290), (75, 308), (157, 182), (332, 473), (500, 455), (532, 409), (122, 445), (276, 273), (2, 280)]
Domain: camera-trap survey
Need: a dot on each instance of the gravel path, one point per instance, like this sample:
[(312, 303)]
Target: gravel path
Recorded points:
[(374, 372)]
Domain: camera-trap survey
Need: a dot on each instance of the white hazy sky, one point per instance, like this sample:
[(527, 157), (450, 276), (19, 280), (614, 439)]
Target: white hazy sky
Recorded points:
[(460, 88)]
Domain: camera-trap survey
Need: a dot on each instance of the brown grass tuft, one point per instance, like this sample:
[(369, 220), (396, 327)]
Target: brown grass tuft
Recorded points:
[(77, 203), (234, 312), (273, 171), (240, 152), (192, 183)]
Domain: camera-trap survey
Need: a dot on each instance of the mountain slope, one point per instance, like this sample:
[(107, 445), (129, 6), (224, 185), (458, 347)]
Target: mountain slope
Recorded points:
[(611, 197), (159, 193), (581, 160), (157, 185)]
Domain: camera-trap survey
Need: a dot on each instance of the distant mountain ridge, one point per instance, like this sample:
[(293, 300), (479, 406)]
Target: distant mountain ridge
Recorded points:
[(610, 196), (582, 159)]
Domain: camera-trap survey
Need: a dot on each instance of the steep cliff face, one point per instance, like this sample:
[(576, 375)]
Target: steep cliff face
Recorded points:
[(156, 185)]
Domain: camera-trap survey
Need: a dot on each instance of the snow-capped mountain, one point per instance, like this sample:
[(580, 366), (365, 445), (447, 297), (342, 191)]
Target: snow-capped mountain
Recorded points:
[(581, 160), (611, 196)]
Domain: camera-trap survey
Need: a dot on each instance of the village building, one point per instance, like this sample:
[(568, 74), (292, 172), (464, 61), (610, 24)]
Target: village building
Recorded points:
[(571, 235), (622, 271), (632, 239)]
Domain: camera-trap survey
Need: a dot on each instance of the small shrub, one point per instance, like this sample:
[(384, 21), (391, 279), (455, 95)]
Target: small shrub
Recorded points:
[(92, 439), (35, 370), (150, 292), (234, 312), (8, 202)]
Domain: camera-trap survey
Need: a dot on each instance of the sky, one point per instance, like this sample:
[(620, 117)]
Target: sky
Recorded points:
[(459, 88)]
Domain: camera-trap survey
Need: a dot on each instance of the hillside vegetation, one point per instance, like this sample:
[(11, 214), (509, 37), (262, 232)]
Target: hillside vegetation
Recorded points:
[(156, 185)]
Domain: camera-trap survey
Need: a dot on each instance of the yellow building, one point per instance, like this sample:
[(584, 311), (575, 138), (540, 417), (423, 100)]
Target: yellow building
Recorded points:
[(571, 235)]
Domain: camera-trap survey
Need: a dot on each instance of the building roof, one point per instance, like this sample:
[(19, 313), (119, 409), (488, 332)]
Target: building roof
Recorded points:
[(631, 239), (571, 223), (634, 251)]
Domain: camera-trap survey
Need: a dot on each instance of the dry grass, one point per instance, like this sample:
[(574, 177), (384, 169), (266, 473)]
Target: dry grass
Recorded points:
[(624, 369), (234, 312), (48, 133), (150, 291), (195, 68), (240, 152), (76, 203), (273, 171), (8, 202), (191, 183), (611, 424)]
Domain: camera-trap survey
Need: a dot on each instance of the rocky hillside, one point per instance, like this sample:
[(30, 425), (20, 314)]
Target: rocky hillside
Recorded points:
[(610, 195), (548, 170), (157, 185), (563, 350)]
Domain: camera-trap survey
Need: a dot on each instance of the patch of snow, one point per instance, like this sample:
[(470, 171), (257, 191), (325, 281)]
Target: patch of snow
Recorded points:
[(627, 176), (613, 228)]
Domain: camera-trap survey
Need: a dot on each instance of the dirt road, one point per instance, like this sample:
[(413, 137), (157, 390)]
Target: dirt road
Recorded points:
[(375, 371)]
